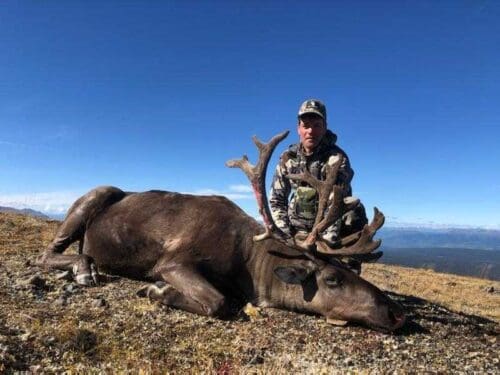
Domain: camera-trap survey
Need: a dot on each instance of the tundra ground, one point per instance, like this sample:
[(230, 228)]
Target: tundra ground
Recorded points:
[(48, 324)]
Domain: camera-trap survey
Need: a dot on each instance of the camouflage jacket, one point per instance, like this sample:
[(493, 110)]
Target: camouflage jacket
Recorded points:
[(294, 203)]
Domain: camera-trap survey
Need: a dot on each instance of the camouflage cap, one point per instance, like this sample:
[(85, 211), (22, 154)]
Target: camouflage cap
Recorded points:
[(313, 106)]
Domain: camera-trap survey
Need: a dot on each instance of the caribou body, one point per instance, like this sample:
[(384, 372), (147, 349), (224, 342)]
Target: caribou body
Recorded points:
[(205, 249)]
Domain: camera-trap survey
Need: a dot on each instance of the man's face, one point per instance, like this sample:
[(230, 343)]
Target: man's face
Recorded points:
[(311, 130)]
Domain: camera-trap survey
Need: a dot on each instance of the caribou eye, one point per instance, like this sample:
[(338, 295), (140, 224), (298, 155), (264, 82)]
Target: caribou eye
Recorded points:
[(334, 281)]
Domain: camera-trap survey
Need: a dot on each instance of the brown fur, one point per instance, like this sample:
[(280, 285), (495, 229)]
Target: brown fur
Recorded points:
[(202, 247)]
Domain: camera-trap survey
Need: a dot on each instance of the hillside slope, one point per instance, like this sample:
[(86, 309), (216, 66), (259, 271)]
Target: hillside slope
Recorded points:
[(24, 211), (50, 324)]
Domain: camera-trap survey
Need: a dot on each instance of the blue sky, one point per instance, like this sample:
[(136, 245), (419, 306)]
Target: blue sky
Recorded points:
[(158, 95)]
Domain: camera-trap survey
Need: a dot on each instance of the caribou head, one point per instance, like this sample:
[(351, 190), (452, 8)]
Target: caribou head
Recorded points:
[(319, 270)]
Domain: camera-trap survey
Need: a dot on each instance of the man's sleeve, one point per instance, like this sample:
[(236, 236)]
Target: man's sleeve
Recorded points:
[(280, 190), (345, 172), (345, 175)]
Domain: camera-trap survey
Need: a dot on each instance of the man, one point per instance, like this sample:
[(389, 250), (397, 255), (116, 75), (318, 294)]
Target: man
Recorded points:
[(293, 203)]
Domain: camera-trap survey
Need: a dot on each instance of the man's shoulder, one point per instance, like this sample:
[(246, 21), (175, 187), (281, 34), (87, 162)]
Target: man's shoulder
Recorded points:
[(336, 150), (332, 152), (290, 153), (330, 146)]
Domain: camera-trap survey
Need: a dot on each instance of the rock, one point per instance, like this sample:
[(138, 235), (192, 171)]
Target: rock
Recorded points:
[(35, 369), (256, 360), (25, 336), (70, 288), (85, 340), (61, 301), (6, 357), (35, 281), (348, 362), (49, 340), (99, 302), (473, 354)]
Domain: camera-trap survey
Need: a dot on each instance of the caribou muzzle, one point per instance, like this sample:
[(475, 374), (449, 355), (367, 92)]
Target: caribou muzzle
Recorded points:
[(386, 315), (391, 317)]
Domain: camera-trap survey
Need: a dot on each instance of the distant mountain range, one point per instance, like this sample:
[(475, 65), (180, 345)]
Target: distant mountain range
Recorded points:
[(24, 211), (463, 251), (463, 238)]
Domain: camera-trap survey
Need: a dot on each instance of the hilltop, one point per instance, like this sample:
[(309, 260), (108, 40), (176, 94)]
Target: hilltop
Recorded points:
[(24, 211), (50, 324)]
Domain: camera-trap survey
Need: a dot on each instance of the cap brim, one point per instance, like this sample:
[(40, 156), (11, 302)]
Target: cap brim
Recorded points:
[(311, 111)]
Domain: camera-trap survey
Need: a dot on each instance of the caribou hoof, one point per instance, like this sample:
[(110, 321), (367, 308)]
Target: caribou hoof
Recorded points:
[(151, 291), (86, 278), (336, 322), (143, 292), (154, 291)]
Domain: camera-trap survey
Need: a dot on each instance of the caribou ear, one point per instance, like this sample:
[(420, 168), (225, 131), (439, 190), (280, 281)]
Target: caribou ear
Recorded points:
[(292, 275)]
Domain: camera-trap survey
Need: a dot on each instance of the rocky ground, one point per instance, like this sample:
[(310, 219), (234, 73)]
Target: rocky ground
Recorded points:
[(48, 324)]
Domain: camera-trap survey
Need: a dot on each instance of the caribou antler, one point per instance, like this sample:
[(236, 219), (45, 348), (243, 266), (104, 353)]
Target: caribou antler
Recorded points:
[(363, 240), (257, 176), (358, 243), (330, 208), (324, 189)]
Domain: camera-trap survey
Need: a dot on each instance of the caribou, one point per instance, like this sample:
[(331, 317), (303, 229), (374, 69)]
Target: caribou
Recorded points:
[(200, 251)]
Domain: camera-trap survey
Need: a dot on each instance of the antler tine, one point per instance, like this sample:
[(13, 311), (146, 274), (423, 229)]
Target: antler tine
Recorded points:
[(333, 214), (324, 190), (364, 244), (243, 164), (375, 225), (257, 176)]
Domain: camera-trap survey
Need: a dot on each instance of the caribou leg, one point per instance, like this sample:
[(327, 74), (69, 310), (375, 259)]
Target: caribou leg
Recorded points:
[(187, 290), (82, 266), (72, 229), (169, 296)]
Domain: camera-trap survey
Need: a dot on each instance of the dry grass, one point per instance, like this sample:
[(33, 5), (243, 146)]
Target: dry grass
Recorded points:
[(24, 232), (134, 335), (459, 293)]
